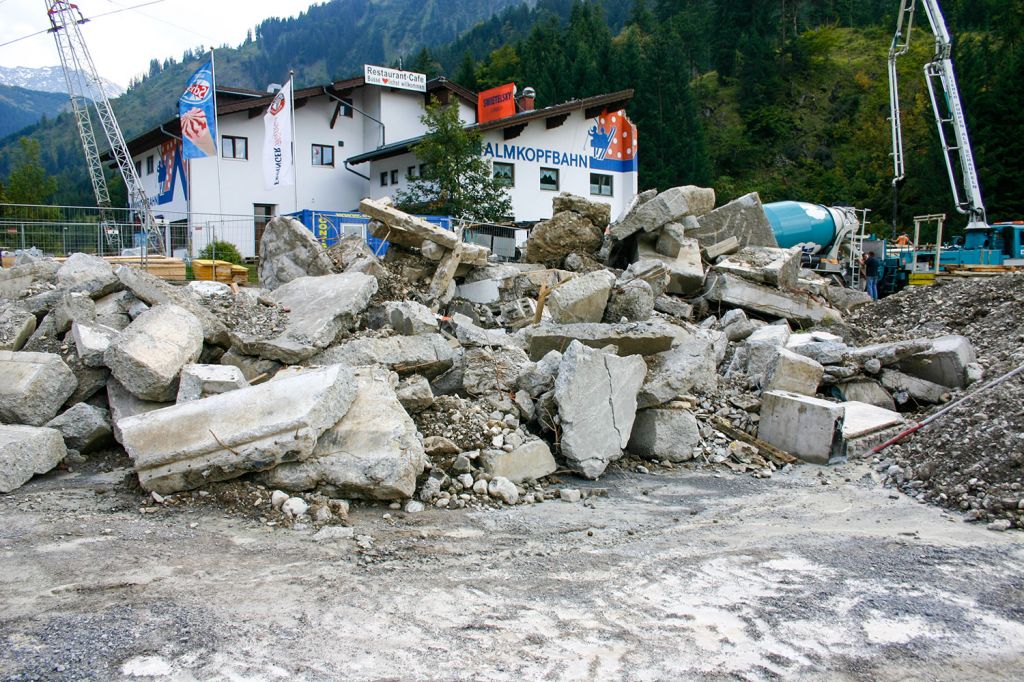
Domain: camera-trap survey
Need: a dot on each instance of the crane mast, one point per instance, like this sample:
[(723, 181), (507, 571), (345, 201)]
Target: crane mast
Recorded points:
[(65, 21), (946, 106)]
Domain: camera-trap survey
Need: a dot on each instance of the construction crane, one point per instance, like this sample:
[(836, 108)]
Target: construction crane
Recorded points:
[(947, 107), (65, 21)]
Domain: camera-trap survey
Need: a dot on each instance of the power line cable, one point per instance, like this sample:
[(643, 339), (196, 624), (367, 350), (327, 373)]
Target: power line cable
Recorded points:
[(164, 21), (104, 14)]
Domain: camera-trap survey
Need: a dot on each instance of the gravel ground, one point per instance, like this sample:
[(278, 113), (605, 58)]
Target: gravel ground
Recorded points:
[(819, 574), (973, 459)]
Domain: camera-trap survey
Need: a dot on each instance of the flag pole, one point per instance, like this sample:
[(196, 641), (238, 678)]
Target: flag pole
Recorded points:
[(216, 149), (295, 145)]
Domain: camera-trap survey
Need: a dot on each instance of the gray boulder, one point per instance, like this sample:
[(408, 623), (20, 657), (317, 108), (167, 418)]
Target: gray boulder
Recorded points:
[(16, 326), (690, 366), (426, 354), (669, 206), (743, 218), (597, 212), (567, 232), (92, 342), (84, 427), (410, 318), (581, 299), (26, 451), (632, 301), (289, 251), (528, 462), (661, 434), (33, 386), (88, 274), (415, 393)]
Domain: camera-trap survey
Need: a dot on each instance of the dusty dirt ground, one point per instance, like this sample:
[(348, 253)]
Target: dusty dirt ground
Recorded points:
[(819, 574)]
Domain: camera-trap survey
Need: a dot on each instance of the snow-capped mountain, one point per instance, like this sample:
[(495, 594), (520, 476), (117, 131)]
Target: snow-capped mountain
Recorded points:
[(46, 79)]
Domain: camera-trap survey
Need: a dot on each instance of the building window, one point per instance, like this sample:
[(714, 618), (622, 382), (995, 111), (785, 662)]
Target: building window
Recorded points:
[(410, 172), (394, 177), (549, 179), (149, 164), (232, 147), (423, 169), (384, 179), (323, 155), (505, 174), (138, 167), (346, 107), (601, 184)]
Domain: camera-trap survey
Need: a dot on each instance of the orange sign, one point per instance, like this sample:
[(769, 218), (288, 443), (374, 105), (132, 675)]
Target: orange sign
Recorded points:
[(499, 102)]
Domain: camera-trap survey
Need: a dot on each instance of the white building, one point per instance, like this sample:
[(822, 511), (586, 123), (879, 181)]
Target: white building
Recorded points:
[(352, 141)]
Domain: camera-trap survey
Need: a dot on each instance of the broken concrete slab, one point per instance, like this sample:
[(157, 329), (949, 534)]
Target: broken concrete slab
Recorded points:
[(528, 462), (415, 394), (224, 436), (711, 252), (674, 307), (825, 352), (88, 274), (288, 251), (581, 299), (148, 356), (16, 326), (567, 232), (202, 381), (410, 318), (112, 309), (686, 269), (743, 218), (944, 362), (154, 291), (33, 386), (736, 326), (442, 284), (778, 268), (865, 426), (426, 354), (469, 334), (403, 229), (660, 434), (805, 427), (904, 388), (654, 272), (789, 371), (731, 290), (92, 342), (17, 282), (372, 452), (493, 369), (597, 212), (671, 239), (85, 427), (319, 309), (668, 206), (596, 397), (539, 377), (632, 338), (689, 366), (846, 299), (26, 451), (887, 354)]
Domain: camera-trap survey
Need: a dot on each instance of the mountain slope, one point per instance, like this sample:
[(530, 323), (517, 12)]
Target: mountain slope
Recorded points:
[(20, 107), (47, 79)]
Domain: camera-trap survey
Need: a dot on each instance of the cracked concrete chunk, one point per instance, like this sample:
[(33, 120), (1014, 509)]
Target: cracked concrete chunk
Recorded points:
[(16, 326), (778, 268), (92, 275), (669, 206), (944, 362), (631, 338), (289, 251), (148, 356), (202, 381), (372, 452), (26, 451), (33, 386), (410, 318), (84, 427), (581, 299), (660, 434), (154, 291), (92, 342), (743, 218), (426, 354), (596, 397), (690, 366), (805, 427), (528, 462), (224, 436), (727, 289)]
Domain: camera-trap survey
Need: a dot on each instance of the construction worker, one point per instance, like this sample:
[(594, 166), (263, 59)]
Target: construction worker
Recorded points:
[(870, 266), (903, 240)]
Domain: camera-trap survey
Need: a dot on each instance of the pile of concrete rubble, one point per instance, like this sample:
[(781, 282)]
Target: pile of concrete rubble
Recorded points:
[(679, 333)]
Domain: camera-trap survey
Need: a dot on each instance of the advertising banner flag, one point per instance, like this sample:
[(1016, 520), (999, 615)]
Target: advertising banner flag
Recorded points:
[(499, 102), (278, 167), (198, 115)]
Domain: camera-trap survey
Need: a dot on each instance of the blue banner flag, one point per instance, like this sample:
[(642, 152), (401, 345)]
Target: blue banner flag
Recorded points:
[(198, 118)]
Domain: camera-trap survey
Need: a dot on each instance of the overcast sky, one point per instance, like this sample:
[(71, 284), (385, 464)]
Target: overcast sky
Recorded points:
[(122, 44)]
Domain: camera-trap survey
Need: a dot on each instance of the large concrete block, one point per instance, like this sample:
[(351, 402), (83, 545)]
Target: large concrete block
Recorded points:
[(866, 391), (865, 426), (632, 302), (905, 388), (632, 338), (26, 451), (84, 427), (123, 405), (370, 453), (148, 356), (154, 291), (33, 386), (16, 282), (415, 393), (224, 436), (202, 381), (805, 427), (743, 218), (567, 232), (667, 207), (690, 366), (789, 371), (597, 212), (944, 363), (92, 342), (661, 434), (289, 251), (92, 275), (686, 268), (401, 228), (796, 307), (319, 308), (528, 462), (773, 267), (582, 299), (596, 397), (410, 318), (426, 354)]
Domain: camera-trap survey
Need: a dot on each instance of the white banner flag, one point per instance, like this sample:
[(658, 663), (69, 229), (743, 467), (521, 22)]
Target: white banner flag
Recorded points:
[(278, 168)]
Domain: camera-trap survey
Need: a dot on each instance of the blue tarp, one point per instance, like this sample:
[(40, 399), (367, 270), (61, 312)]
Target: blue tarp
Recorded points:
[(330, 226)]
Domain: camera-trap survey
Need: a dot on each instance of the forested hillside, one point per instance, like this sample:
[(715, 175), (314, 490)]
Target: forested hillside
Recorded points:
[(786, 97), (20, 107)]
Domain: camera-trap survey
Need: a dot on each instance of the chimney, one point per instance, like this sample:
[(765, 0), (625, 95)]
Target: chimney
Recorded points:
[(527, 99)]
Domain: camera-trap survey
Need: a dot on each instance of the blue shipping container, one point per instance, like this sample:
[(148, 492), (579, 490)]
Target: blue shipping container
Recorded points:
[(331, 226)]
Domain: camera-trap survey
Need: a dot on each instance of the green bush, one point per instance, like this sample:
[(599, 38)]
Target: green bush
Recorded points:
[(221, 251)]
